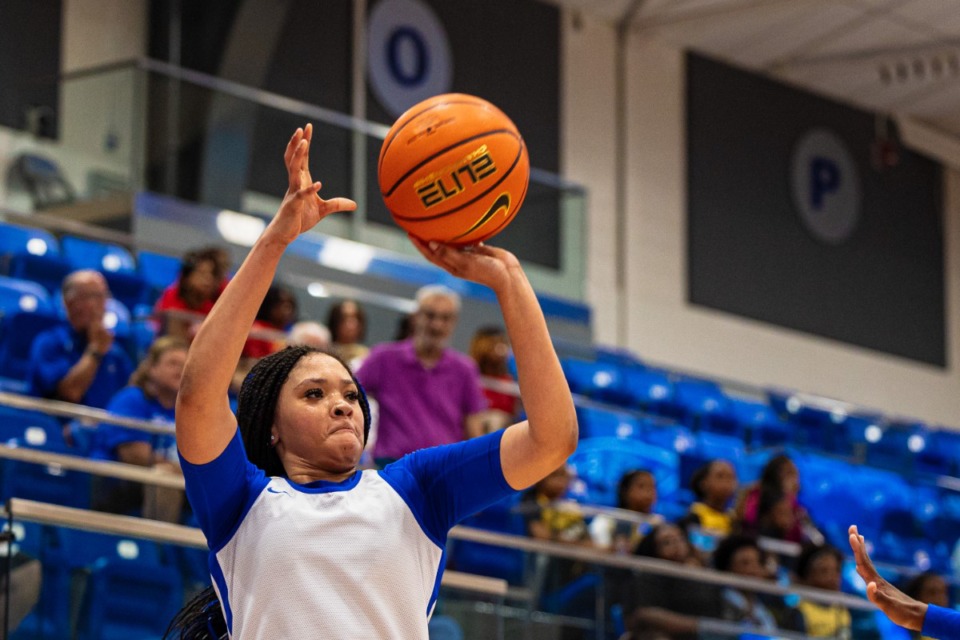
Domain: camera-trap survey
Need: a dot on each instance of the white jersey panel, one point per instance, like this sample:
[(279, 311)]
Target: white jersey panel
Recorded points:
[(318, 564)]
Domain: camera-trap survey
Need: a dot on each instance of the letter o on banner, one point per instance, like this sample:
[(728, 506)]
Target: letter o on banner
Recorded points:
[(408, 54), (825, 186)]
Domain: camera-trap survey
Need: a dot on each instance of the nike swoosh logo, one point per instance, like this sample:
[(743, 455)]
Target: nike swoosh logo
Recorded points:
[(502, 202), (272, 490)]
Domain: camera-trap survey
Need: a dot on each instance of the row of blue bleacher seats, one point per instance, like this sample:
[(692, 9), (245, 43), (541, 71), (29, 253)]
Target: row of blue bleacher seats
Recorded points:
[(33, 264), (778, 419)]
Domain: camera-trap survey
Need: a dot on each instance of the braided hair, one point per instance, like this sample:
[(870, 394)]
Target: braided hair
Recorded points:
[(202, 617)]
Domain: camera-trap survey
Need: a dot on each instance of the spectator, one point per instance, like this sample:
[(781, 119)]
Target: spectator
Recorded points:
[(151, 396), (78, 361), (740, 555), (348, 329), (277, 313), (310, 334), (428, 394), (819, 566), (928, 588), (714, 485), (779, 477), (183, 305), (637, 492), (547, 517), (667, 603), (489, 348)]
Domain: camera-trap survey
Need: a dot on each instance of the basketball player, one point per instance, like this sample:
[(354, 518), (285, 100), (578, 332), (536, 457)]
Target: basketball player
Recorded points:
[(303, 545), (929, 619)]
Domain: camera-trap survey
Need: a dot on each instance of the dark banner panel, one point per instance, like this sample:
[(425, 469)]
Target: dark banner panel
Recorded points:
[(506, 51), (30, 65), (801, 217)]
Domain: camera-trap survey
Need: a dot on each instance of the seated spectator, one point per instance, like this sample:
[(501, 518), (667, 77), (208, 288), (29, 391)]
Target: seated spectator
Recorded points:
[(666, 603), (740, 555), (277, 313), (928, 588), (489, 349), (820, 567), (79, 361), (779, 477), (347, 322), (549, 519), (637, 492), (183, 305), (151, 396), (714, 485), (428, 393), (309, 333)]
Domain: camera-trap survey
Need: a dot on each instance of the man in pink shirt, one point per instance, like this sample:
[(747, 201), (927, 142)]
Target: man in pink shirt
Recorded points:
[(428, 393)]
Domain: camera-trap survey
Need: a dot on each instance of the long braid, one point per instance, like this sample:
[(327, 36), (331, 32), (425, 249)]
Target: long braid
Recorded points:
[(202, 617)]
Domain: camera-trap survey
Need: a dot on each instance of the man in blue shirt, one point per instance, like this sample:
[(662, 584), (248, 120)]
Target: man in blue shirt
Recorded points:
[(78, 361), (929, 619)]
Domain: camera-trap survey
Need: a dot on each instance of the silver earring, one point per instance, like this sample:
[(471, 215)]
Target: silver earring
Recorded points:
[(273, 438)]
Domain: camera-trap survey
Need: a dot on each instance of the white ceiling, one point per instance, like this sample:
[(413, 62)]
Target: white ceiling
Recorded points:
[(894, 56)]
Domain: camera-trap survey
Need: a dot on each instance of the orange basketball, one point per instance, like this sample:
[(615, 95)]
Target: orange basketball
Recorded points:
[(454, 169)]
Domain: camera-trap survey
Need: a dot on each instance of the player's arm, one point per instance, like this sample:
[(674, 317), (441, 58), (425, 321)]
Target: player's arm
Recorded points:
[(531, 449), (898, 606), (205, 424)]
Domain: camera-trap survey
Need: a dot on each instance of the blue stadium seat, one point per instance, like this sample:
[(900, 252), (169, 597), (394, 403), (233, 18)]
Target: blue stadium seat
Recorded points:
[(897, 447), (18, 295), (940, 455), (16, 239), (129, 600), (129, 288), (758, 424), (599, 464), (46, 483), (599, 423), (31, 254), (17, 332), (83, 253), (159, 270), (649, 390), (47, 271), (598, 380), (31, 429), (704, 405)]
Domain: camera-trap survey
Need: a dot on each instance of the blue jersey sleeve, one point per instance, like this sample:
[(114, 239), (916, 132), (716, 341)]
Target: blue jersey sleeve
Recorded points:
[(941, 623), (222, 491), (443, 485)]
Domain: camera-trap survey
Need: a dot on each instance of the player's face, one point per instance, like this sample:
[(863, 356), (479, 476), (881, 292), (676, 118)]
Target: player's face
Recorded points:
[(319, 422)]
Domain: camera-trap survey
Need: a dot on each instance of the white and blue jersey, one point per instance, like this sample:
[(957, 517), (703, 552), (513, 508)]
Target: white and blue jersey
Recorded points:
[(360, 558)]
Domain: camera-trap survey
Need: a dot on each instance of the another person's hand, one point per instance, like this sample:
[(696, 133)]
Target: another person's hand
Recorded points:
[(478, 263), (302, 208), (898, 606), (99, 338)]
